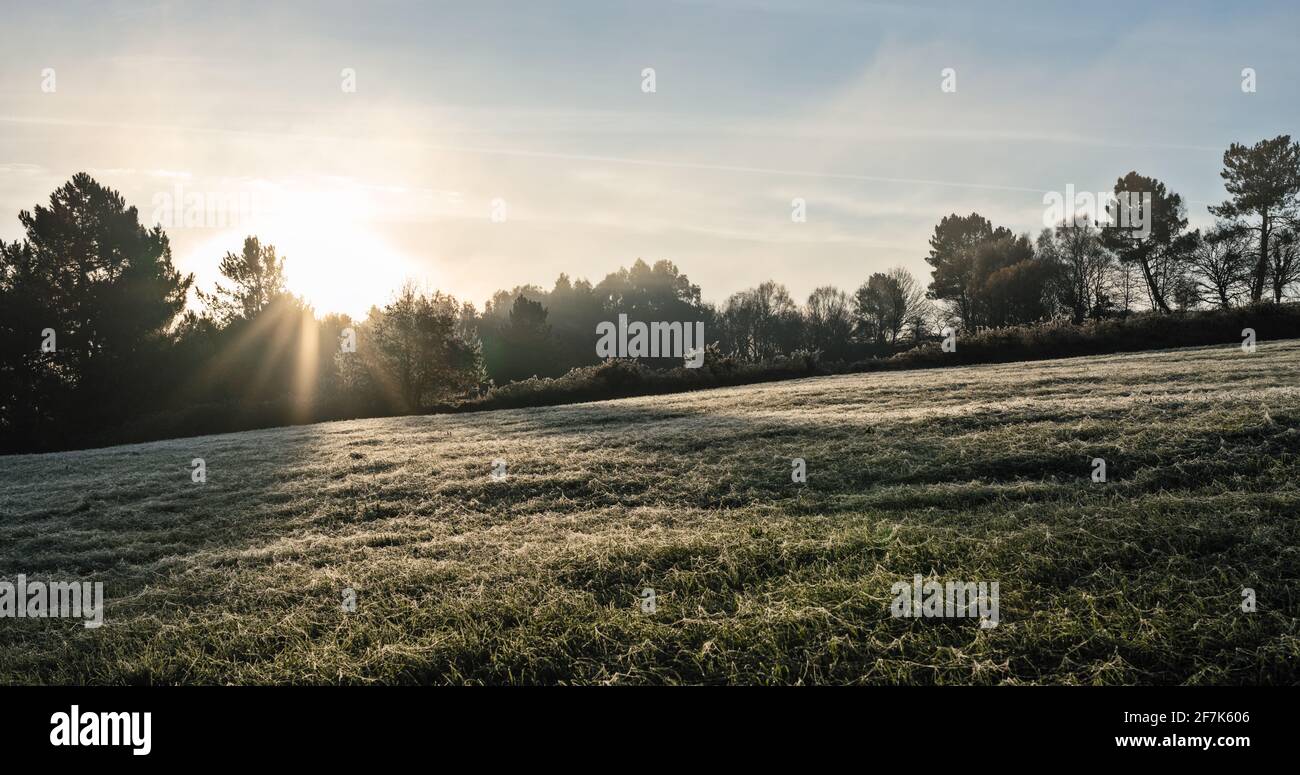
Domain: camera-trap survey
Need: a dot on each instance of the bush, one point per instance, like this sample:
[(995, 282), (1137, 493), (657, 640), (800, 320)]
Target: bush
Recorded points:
[(1053, 339), (1143, 331)]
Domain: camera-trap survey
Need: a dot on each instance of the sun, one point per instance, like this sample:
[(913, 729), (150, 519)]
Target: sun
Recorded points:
[(336, 257), (337, 260)]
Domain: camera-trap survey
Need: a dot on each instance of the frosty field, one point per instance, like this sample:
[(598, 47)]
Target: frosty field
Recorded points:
[(459, 578)]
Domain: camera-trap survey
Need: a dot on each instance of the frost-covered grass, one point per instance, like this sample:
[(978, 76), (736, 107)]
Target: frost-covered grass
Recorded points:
[(974, 474)]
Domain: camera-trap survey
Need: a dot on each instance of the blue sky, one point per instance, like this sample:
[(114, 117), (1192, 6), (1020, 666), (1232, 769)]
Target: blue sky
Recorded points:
[(540, 105)]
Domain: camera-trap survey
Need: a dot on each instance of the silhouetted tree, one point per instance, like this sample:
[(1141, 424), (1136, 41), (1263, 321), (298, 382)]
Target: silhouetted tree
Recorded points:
[(909, 306), (1013, 285), (1283, 262), (521, 346), (1126, 284), (1185, 293), (870, 308), (1220, 264), (1263, 182), (413, 352), (1161, 253), (1083, 265), (952, 254), (761, 322), (829, 318), (649, 293), (256, 277), (88, 271), (574, 309)]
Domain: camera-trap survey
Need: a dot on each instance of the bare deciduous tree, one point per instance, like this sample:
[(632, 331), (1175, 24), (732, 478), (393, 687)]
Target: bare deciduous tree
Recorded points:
[(829, 316), (1284, 262), (1219, 265), (1083, 264)]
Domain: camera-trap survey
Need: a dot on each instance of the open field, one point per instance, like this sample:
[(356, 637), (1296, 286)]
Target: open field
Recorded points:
[(978, 473)]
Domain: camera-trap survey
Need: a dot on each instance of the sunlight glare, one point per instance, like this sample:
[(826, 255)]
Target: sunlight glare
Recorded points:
[(336, 259)]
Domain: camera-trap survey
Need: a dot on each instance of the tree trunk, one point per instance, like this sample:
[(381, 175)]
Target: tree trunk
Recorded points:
[(1261, 266), (1156, 296)]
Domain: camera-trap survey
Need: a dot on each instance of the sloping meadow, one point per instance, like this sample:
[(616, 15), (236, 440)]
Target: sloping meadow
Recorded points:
[(668, 539)]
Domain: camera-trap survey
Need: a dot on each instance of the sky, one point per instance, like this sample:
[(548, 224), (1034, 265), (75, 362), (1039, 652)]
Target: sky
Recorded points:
[(492, 144)]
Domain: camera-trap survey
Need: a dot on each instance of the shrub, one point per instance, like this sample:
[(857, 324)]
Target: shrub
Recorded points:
[(1051, 339)]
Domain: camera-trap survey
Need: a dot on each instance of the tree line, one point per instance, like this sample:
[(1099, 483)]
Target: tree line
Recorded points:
[(97, 337), (986, 276), (96, 334)]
